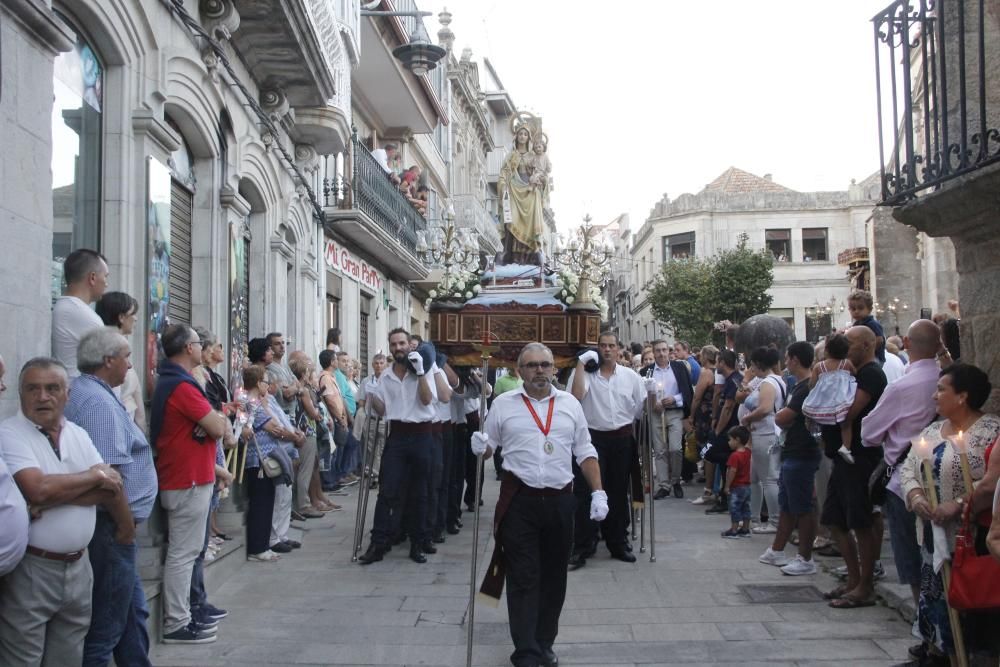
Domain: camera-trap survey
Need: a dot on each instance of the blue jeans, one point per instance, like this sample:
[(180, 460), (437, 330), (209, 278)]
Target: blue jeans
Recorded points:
[(118, 619), (345, 459), (739, 503), (198, 595)]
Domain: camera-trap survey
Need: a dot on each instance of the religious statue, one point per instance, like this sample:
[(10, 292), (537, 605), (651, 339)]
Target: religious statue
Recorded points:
[(522, 201)]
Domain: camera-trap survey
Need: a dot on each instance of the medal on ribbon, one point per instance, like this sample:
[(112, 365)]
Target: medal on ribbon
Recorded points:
[(547, 447)]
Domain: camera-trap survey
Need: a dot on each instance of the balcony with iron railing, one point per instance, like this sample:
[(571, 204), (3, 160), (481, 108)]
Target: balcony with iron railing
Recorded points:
[(471, 213), (362, 204), (938, 92)]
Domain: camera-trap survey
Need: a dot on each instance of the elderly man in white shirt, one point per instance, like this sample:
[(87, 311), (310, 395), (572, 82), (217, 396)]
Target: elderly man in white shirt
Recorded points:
[(672, 382), (612, 397), (46, 606), (541, 430)]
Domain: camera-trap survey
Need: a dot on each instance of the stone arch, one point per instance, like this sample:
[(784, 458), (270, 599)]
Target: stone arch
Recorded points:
[(120, 35), (191, 106)]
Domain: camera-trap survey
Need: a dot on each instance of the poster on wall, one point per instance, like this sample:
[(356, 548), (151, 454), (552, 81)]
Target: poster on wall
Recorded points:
[(239, 323), (157, 264)]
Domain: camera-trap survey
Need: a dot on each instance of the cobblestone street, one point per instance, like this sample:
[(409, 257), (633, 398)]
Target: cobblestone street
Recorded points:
[(315, 607)]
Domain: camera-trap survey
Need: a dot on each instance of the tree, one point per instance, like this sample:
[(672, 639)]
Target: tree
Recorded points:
[(741, 283), (690, 295), (681, 298)]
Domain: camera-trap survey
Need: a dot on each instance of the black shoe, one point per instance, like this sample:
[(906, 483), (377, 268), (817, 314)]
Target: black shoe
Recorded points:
[(453, 529), (189, 634), (549, 659), (576, 561), (373, 555), (718, 508), (623, 556), (627, 546), (438, 538), (458, 522), (295, 544), (415, 554), (399, 539), (281, 548), (469, 507), (661, 494), (918, 651), (678, 490), (428, 548)]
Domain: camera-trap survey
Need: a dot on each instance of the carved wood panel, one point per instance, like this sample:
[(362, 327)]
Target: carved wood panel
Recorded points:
[(514, 328)]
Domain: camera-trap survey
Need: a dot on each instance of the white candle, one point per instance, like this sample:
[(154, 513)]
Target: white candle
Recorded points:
[(922, 448), (959, 443)]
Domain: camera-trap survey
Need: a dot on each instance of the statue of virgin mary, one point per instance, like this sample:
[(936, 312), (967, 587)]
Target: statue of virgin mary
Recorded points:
[(521, 204)]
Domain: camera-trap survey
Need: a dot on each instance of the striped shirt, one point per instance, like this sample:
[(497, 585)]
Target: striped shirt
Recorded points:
[(93, 406)]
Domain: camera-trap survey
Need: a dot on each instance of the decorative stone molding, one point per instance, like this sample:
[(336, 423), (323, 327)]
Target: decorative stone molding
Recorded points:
[(221, 18), (274, 103), (146, 121), (306, 158), (282, 247), (231, 199), (37, 17)]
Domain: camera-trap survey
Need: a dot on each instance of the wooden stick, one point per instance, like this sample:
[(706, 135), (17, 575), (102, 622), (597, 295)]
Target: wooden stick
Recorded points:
[(953, 619)]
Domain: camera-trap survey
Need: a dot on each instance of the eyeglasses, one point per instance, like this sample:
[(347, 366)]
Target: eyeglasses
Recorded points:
[(535, 365), (196, 342)]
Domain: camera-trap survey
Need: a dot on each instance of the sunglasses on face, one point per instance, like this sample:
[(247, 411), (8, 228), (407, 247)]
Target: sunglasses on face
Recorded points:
[(535, 365)]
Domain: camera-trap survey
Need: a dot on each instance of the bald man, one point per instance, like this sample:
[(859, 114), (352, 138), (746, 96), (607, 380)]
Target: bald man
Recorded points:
[(848, 507), (906, 407)]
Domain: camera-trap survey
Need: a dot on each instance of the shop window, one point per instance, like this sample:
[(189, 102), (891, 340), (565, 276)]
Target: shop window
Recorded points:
[(78, 90), (678, 246), (814, 245), (779, 242)]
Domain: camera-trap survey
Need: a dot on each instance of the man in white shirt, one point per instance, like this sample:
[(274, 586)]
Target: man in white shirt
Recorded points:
[(542, 430), (46, 606), (405, 397), (369, 428), (612, 398), (13, 511), (86, 275), (673, 404)]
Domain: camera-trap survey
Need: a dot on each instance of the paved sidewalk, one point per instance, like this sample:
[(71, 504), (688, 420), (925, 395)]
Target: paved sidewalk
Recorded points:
[(315, 607)]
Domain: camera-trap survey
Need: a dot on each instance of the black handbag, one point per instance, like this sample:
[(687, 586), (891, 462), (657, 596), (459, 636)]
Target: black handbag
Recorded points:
[(340, 433), (879, 480)]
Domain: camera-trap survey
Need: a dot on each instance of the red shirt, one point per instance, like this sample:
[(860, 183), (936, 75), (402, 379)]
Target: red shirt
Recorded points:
[(740, 462), (182, 461)]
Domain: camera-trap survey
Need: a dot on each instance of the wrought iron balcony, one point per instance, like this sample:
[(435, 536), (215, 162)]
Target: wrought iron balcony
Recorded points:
[(936, 82), (366, 207), (472, 213)]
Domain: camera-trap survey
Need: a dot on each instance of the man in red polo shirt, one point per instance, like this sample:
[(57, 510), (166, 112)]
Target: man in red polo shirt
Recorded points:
[(183, 428)]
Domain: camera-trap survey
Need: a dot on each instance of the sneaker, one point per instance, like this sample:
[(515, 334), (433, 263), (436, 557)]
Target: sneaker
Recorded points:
[(209, 556), (718, 508), (731, 534), (703, 499), (840, 571), (799, 566), (764, 529), (213, 612), (772, 557), (209, 627), (845, 454), (743, 532), (189, 634)]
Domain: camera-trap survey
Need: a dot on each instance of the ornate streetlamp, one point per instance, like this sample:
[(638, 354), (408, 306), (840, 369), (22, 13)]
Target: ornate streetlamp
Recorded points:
[(448, 247), (894, 306), (587, 258)]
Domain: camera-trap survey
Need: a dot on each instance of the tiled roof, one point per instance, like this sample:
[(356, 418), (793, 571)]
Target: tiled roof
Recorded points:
[(736, 181)]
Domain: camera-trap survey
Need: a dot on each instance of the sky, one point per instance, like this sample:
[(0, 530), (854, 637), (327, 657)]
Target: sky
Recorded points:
[(649, 97)]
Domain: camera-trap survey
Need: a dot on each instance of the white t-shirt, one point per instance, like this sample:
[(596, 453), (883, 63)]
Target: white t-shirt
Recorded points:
[(71, 320), (614, 402), (893, 367), (14, 519), (64, 528)]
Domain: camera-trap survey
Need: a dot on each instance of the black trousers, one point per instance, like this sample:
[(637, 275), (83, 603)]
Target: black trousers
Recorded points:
[(406, 465), (260, 506), (434, 483), (614, 455), (536, 534), (470, 463), (440, 518), (456, 477)]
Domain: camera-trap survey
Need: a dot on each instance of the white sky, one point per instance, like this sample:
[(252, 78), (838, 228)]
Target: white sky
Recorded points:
[(659, 96)]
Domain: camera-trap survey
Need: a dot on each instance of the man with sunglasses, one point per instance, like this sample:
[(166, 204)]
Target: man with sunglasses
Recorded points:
[(183, 428), (542, 430), (612, 398)]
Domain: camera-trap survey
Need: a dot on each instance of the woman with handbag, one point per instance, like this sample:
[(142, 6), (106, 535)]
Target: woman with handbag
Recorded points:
[(264, 434), (962, 391)]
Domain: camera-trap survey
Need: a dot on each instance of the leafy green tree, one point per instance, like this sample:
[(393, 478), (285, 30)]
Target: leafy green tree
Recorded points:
[(690, 295), (742, 278), (681, 298)]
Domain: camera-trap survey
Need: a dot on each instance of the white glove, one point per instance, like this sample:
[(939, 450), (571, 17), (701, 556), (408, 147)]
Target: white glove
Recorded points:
[(417, 361), (598, 506), (589, 355), (650, 385), (480, 443)]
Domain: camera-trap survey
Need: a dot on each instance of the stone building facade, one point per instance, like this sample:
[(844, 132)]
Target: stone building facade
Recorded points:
[(805, 231)]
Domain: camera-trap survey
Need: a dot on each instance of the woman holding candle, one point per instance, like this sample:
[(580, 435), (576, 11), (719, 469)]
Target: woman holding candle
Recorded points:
[(938, 493)]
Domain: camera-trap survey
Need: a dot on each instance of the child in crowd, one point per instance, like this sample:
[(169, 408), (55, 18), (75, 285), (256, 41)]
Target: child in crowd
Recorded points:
[(832, 389), (738, 482), (860, 305)]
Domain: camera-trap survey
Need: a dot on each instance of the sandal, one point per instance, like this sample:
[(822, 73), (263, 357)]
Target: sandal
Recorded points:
[(847, 602), (264, 557), (836, 594)]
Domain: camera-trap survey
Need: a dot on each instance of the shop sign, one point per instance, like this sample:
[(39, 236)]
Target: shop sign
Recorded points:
[(338, 258)]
